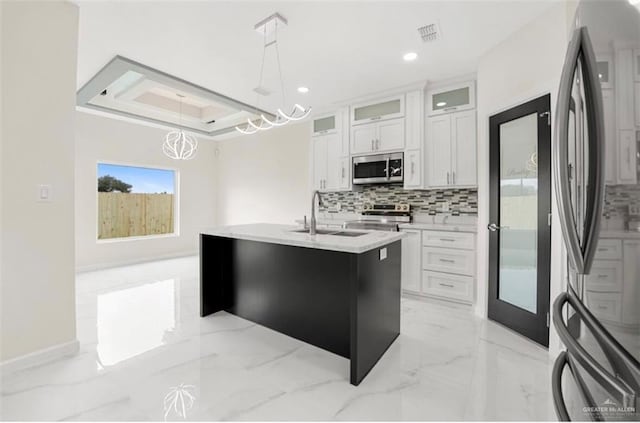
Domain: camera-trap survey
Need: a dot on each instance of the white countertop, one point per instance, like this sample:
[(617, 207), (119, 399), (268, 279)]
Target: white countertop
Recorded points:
[(282, 234)]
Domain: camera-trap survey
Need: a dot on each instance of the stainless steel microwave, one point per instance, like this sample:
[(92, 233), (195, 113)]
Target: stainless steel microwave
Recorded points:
[(378, 169)]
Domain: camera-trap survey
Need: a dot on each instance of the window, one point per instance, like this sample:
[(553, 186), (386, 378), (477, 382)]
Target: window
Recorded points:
[(135, 201)]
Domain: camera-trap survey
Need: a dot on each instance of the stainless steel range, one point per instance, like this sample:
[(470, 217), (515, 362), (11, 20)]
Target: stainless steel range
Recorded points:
[(381, 217)]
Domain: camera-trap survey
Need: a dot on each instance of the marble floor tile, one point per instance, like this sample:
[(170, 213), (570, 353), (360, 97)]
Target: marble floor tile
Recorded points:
[(147, 355)]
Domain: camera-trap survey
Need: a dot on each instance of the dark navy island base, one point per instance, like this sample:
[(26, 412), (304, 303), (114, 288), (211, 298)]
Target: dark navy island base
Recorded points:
[(345, 303)]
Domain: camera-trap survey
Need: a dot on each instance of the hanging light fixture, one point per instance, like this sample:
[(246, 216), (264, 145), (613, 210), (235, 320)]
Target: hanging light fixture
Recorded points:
[(298, 112), (179, 145)]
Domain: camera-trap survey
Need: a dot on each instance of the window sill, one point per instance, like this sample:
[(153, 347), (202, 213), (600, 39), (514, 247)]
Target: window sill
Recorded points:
[(136, 238)]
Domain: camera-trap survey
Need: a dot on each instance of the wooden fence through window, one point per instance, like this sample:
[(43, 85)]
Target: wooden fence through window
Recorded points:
[(123, 215)]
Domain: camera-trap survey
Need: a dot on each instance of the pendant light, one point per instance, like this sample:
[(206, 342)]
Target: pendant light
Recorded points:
[(298, 112), (179, 145)]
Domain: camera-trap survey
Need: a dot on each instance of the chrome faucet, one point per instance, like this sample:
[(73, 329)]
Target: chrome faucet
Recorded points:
[(312, 225)]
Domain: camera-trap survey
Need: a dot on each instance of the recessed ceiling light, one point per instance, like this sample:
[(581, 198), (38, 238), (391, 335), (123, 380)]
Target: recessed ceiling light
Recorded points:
[(303, 90), (410, 57), (442, 103)]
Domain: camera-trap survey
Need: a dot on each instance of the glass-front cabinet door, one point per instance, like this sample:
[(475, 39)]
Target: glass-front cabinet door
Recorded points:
[(388, 108), (452, 98), (324, 125)]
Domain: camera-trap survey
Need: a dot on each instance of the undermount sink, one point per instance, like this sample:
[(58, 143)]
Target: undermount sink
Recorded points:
[(330, 232)]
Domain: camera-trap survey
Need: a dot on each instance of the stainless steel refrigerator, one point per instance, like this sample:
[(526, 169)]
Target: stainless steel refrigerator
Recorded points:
[(596, 165)]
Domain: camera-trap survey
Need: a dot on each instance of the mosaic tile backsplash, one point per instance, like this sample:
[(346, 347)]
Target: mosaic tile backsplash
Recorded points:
[(462, 201), (618, 197)]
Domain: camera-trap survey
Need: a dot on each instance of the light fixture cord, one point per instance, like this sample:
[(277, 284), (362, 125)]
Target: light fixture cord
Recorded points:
[(264, 54), (284, 102)]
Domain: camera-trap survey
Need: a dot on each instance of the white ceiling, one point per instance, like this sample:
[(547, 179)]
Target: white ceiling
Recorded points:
[(340, 50)]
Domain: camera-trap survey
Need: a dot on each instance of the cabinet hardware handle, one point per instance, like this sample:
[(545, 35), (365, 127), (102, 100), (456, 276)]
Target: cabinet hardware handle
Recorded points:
[(602, 307), (454, 177), (448, 285), (375, 118), (413, 168), (447, 239), (603, 249), (377, 144), (628, 155), (602, 276), (371, 145), (447, 178), (342, 172), (449, 109), (447, 260)]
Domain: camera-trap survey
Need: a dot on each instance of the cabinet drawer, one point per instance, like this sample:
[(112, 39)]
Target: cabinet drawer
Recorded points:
[(461, 240), (448, 260), (605, 305), (609, 249), (605, 276), (449, 286)]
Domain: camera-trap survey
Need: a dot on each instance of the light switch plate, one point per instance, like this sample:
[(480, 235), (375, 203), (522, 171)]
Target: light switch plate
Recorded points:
[(383, 254), (44, 193)]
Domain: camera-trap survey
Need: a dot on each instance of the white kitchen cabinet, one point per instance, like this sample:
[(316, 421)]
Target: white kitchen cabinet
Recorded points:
[(381, 109), (439, 151), (378, 137), (319, 161), (463, 129), (605, 305), (605, 276), (627, 161), (329, 167), (636, 90), (326, 124), (451, 150), (624, 92), (414, 120), (451, 98), (611, 152), (609, 249), (414, 140), (410, 265), (461, 262), (413, 169), (330, 151), (631, 275), (604, 65), (447, 286)]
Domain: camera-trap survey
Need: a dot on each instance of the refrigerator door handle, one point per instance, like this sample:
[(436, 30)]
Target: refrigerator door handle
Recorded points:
[(580, 252), (566, 360), (624, 384), (595, 121), (561, 154)]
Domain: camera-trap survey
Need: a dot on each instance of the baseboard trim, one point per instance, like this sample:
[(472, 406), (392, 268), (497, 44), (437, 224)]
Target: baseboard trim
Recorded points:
[(119, 263), (40, 357)]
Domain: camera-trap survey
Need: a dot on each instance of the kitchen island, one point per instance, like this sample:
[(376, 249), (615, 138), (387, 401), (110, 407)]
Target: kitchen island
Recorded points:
[(339, 292)]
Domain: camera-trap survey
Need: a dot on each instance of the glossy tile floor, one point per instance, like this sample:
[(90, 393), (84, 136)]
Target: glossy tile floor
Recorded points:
[(146, 355)]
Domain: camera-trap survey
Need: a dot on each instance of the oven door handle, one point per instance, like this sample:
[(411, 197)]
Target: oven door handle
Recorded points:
[(388, 170)]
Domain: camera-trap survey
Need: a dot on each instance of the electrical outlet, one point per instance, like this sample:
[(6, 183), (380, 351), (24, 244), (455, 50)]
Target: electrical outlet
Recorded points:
[(44, 193)]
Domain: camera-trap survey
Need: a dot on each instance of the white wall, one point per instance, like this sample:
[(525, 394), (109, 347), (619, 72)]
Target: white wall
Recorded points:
[(100, 138), (525, 66), (39, 47), (264, 177)]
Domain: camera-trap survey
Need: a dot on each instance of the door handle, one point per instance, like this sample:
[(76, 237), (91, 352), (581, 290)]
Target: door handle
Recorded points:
[(493, 227)]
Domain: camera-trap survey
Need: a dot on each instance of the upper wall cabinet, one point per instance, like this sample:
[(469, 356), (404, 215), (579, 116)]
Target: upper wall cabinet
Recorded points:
[(330, 151), (326, 124), (378, 137), (452, 98), (451, 150), (387, 108), (605, 70)]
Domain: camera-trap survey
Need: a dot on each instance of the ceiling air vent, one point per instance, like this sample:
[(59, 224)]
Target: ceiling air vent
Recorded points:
[(429, 32)]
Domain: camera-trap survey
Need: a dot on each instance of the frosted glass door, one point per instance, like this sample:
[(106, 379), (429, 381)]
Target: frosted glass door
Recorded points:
[(519, 212)]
